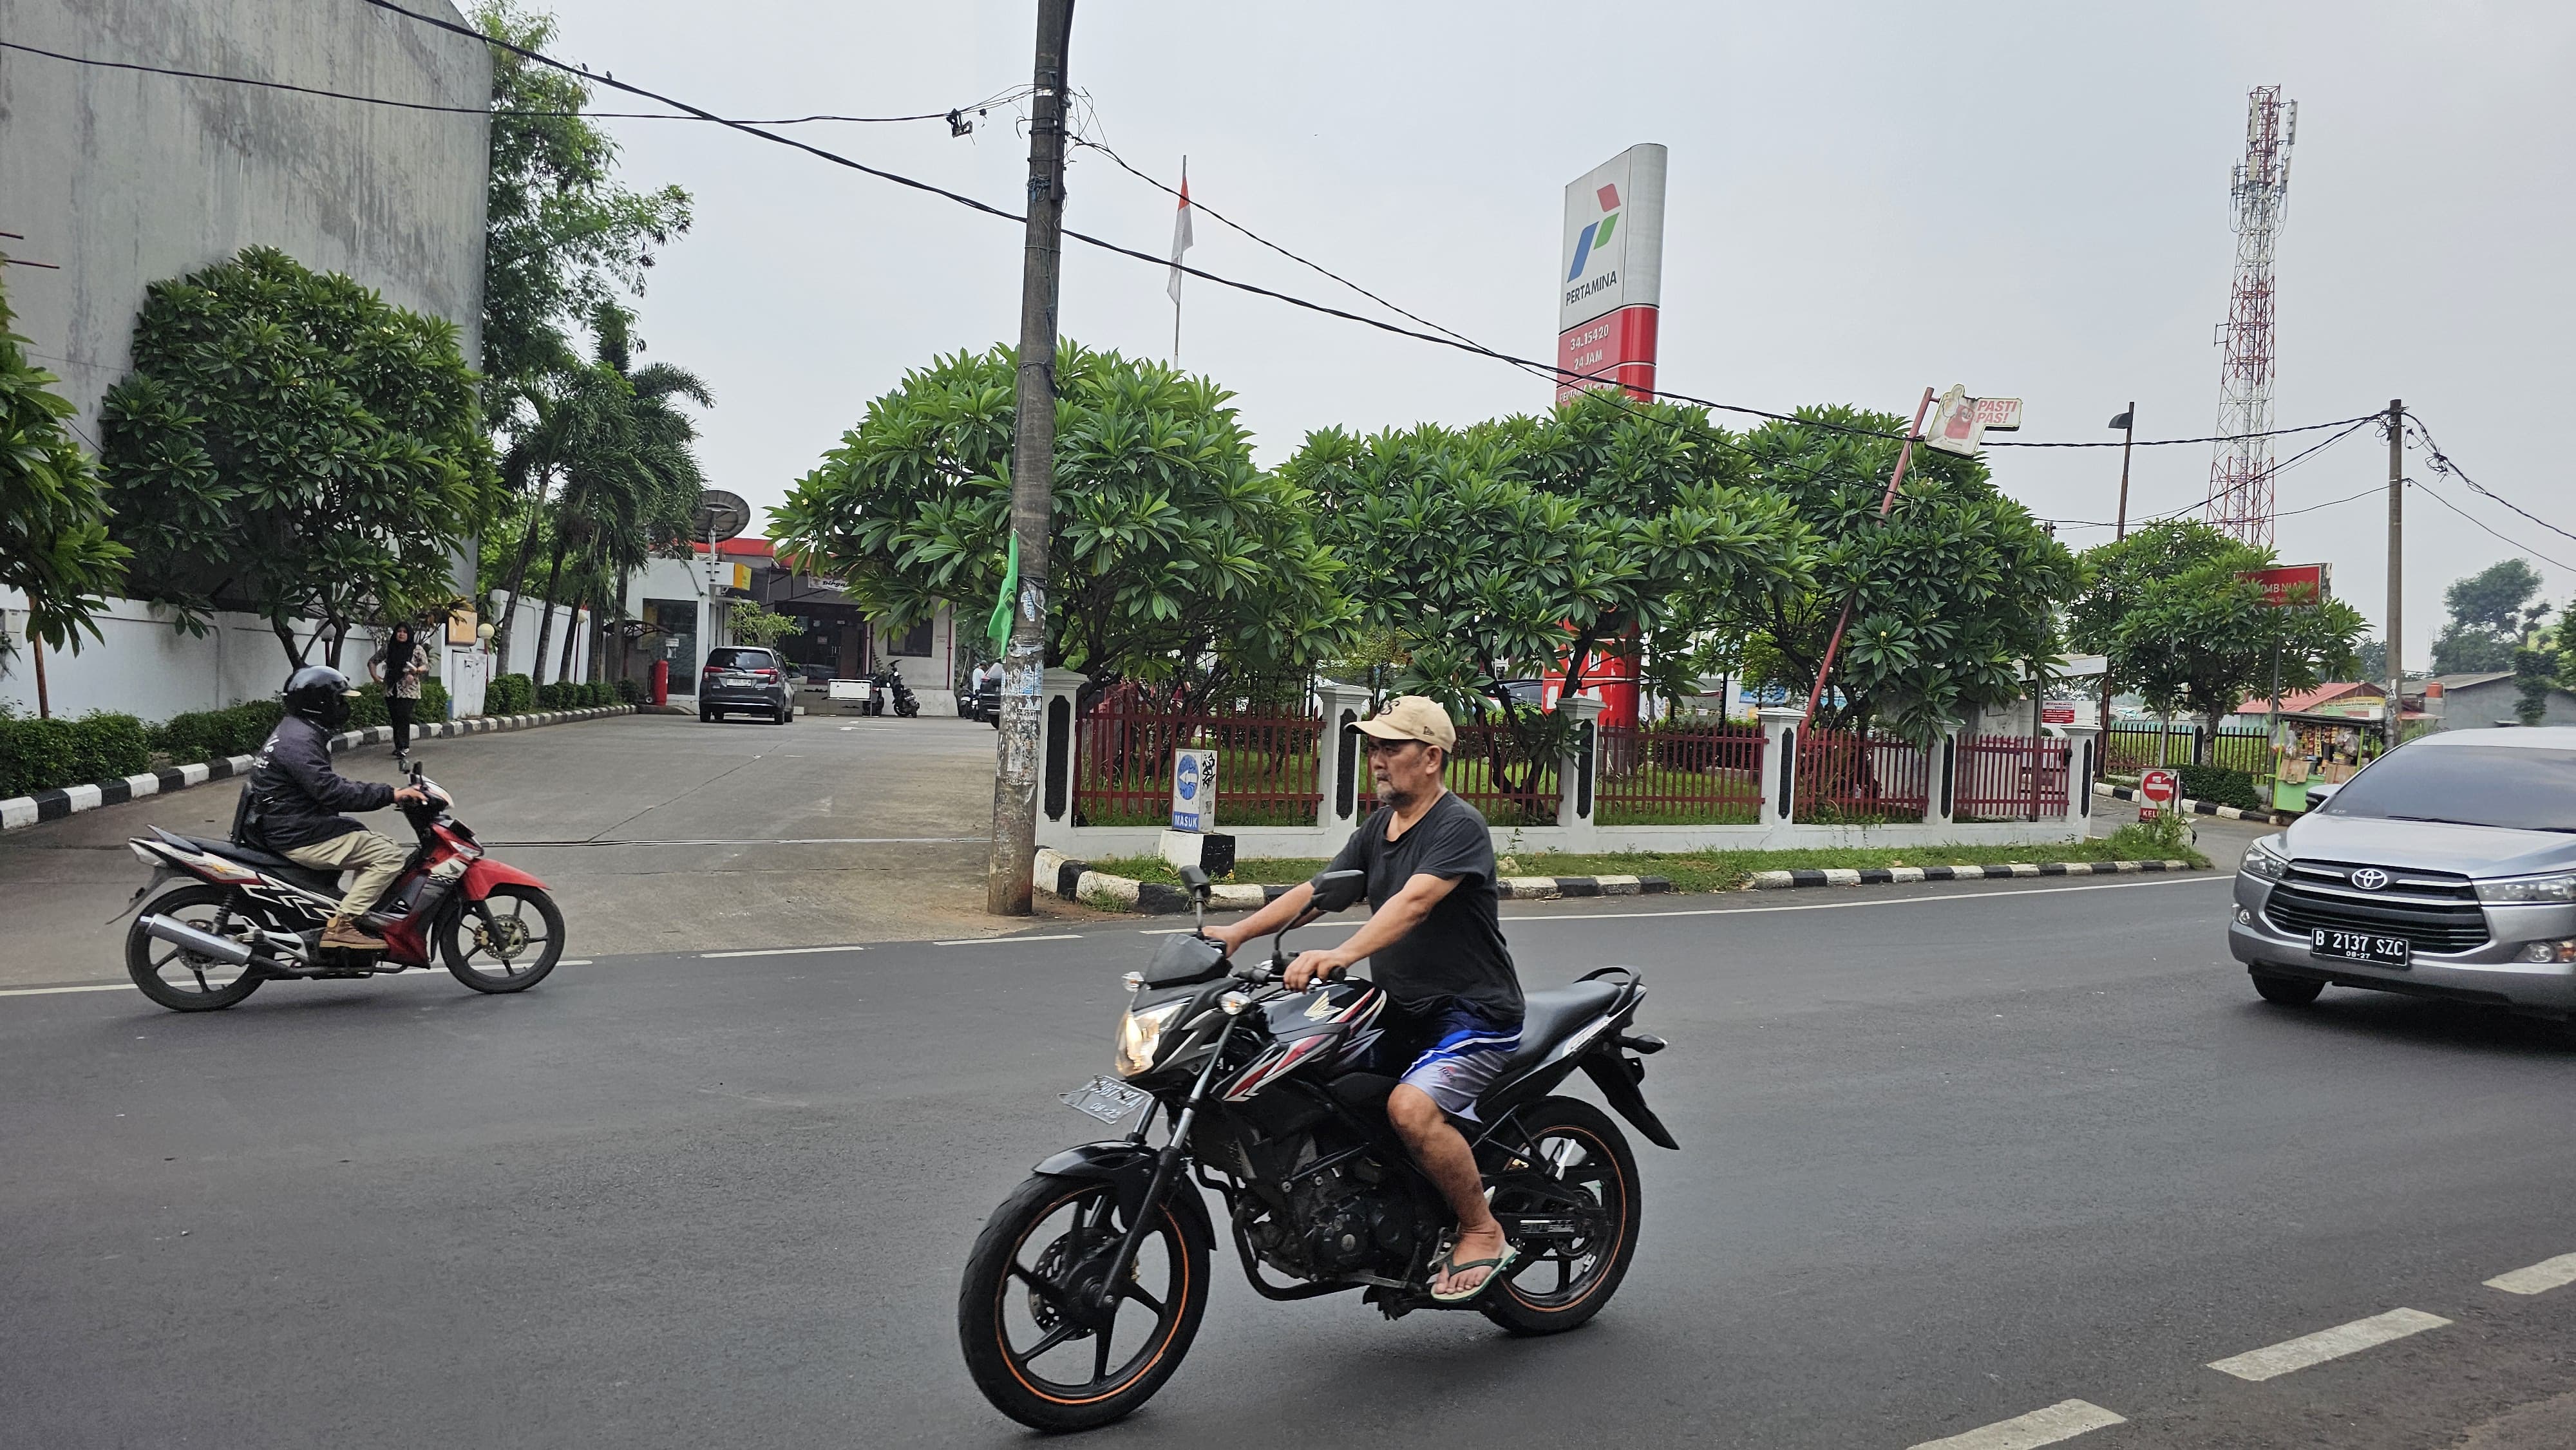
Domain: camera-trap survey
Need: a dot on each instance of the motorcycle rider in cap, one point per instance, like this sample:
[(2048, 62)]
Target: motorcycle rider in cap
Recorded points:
[(290, 804)]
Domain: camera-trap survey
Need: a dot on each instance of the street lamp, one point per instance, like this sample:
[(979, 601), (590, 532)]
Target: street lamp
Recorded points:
[(2126, 422)]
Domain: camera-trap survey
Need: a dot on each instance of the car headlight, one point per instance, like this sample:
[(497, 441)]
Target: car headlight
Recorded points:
[(1140, 1036), (2539, 890), (2266, 859)]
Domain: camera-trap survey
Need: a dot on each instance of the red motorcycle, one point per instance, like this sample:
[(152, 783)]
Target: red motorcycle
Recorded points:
[(247, 916)]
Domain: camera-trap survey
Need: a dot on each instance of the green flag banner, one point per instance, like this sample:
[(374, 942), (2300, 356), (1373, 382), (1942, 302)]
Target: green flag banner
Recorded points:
[(999, 630)]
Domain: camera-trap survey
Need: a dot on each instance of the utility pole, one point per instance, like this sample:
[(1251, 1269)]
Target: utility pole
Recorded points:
[(2127, 423), (1015, 766), (2396, 635)]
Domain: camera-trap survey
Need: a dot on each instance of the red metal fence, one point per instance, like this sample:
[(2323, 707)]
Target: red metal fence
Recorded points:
[(1265, 764), (1866, 778), (1690, 774), (1494, 773), (2009, 777)]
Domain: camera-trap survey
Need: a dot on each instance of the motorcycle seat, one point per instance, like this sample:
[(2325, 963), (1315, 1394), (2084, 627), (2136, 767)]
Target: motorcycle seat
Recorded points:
[(326, 882), (1548, 1017)]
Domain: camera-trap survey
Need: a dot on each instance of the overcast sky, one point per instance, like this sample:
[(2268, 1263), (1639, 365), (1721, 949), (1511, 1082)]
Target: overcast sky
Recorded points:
[(1863, 200)]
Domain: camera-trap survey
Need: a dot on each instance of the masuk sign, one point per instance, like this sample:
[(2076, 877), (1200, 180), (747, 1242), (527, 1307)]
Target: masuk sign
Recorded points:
[(1193, 790), (1610, 275)]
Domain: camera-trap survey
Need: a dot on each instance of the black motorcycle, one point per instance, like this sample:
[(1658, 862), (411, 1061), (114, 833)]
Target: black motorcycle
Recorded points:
[(1087, 1284), (887, 686)]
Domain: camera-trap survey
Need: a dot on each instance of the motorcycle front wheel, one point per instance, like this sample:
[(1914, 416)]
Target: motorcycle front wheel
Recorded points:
[(180, 979), (1036, 1343), (506, 942)]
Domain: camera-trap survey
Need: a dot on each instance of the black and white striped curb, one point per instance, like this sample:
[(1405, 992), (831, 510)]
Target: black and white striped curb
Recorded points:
[(1060, 875), (1903, 875), (2199, 808), (53, 805)]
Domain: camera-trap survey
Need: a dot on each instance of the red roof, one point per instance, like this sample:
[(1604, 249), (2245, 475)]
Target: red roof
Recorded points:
[(742, 548), (2301, 700)]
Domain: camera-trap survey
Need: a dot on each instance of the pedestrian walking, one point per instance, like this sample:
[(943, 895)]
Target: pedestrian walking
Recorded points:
[(401, 667)]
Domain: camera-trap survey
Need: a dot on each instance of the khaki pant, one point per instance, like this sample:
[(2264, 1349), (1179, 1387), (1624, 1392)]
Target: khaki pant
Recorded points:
[(376, 860)]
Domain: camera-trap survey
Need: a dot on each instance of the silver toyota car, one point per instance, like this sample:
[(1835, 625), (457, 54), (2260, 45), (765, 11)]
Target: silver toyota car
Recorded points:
[(2445, 869)]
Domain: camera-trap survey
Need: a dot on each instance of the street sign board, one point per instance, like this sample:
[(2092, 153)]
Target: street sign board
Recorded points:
[(1610, 274), (2157, 792), (2056, 714), (1193, 790), (2292, 583), (1960, 423)]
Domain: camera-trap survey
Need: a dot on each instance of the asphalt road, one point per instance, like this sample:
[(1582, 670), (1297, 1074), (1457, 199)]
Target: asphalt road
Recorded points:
[(1952, 1155), (655, 832)]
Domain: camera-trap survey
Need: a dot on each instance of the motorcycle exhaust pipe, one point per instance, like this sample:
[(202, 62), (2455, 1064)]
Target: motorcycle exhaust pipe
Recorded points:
[(204, 944)]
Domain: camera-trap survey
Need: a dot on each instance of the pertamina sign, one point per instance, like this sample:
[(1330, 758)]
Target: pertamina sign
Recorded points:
[(1611, 274)]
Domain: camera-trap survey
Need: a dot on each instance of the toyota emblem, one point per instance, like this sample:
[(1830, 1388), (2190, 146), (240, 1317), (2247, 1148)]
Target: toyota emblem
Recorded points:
[(2369, 878)]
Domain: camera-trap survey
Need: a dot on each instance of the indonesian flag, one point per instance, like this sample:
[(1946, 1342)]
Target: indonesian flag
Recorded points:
[(1180, 235)]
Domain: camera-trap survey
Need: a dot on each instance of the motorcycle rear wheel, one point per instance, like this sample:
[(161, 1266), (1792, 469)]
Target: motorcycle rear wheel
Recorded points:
[(1586, 1172), (513, 952), (1018, 1306), (175, 977)]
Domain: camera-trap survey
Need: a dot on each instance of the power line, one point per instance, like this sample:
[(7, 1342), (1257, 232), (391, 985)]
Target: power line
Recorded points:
[(2442, 464), (750, 128), (198, 75), (2517, 545)]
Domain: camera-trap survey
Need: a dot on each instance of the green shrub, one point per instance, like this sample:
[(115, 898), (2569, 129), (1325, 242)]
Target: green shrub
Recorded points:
[(201, 735), (2220, 786), (598, 693), (630, 692), (49, 754), (433, 701), (556, 696), (368, 710), (509, 695)]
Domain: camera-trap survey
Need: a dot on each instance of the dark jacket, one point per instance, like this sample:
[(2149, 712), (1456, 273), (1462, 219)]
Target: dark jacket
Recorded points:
[(293, 795)]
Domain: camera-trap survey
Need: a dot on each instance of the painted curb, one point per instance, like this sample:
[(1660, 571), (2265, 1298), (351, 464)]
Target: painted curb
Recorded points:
[(1059, 875), (2200, 808), (18, 812), (1906, 875)]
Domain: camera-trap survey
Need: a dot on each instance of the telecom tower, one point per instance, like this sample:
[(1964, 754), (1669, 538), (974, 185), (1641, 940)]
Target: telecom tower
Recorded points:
[(2240, 476)]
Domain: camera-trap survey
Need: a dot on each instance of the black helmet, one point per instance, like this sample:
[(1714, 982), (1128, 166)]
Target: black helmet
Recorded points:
[(320, 694)]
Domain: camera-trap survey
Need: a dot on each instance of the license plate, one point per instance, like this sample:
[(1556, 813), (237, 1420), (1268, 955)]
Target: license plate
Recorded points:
[(1108, 1101), (734, 680), (2360, 946)]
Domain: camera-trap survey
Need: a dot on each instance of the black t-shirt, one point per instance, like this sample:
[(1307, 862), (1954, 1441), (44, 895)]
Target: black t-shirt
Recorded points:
[(1456, 955)]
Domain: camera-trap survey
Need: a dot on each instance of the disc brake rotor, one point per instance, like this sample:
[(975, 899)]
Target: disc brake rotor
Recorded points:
[(505, 938)]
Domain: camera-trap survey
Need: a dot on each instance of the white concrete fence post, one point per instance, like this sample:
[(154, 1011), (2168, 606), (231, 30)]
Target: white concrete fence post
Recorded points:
[(1779, 723), (1941, 800), (1578, 773), (1059, 706), (1339, 773), (2083, 763)]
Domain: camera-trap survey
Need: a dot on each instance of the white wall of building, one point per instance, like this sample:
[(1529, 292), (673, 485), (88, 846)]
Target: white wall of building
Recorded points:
[(527, 617)]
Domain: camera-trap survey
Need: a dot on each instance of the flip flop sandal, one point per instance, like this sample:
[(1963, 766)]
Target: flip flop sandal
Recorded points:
[(1449, 1267)]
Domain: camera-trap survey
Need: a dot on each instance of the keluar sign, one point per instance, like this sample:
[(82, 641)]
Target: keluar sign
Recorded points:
[(2291, 584)]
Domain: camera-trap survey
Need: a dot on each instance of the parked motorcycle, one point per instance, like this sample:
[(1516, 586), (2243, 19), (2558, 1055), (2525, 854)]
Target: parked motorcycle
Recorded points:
[(247, 916), (887, 686), (1086, 1287)]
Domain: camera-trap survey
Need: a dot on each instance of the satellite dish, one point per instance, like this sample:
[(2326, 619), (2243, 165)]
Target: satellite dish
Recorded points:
[(722, 514)]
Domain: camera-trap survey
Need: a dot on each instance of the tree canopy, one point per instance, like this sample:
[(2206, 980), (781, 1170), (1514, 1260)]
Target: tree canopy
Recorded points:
[(1951, 594), (1172, 558), (2166, 606), (562, 238), (2491, 611), (290, 440), (54, 544)]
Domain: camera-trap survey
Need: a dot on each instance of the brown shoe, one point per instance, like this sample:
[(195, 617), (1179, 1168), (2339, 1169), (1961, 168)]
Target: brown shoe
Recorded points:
[(342, 934)]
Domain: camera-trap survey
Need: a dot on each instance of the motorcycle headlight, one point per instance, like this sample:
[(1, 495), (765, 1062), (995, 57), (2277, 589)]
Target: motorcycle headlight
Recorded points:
[(2530, 890), (2266, 859), (1140, 1036)]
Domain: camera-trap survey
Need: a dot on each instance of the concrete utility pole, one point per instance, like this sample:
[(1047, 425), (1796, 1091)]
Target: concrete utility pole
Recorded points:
[(2396, 635), (1015, 766)]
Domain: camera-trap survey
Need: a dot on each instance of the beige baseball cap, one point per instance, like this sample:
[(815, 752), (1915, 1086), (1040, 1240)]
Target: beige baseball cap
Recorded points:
[(1413, 717)]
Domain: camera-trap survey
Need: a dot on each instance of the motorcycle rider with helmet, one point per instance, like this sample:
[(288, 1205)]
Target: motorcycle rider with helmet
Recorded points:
[(291, 802)]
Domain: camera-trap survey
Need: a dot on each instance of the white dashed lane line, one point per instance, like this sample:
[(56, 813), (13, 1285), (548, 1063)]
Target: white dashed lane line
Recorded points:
[(2273, 1361), (1006, 941), (2061, 1421), (2540, 1278), (780, 952), (57, 991)]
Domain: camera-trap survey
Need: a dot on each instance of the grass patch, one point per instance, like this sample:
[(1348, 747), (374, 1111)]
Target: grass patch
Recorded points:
[(1728, 870)]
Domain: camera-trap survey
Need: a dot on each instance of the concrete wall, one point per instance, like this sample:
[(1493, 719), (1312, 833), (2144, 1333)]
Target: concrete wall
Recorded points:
[(123, 178), (2491, 704)]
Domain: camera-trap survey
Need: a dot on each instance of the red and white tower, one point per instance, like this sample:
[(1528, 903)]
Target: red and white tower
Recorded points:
[(2240, 476)]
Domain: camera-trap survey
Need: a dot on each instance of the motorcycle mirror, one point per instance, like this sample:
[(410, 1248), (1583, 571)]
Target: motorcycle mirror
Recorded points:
[(1195, 881), (1336, 890)]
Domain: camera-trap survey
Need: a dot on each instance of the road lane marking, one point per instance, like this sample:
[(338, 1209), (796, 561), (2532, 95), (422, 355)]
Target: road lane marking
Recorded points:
[(747, 841), (2061, 1421), (51, 991), (2540, 1278), (2279, 1359), (782, 951), (1003, 941)]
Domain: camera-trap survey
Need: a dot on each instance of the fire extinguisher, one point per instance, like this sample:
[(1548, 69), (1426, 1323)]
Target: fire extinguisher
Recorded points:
[(661, 682)]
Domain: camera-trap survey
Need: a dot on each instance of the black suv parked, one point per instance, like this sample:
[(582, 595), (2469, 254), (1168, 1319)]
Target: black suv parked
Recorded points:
[(739, 680)]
